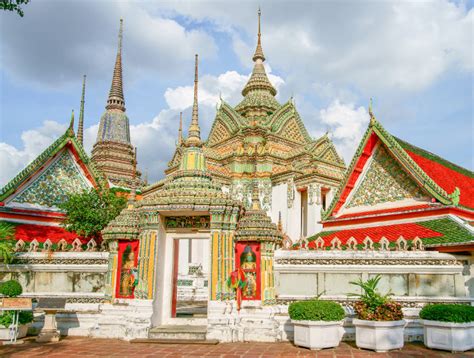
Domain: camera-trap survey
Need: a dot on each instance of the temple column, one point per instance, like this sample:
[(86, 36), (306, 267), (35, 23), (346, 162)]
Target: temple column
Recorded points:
[(112, 269)]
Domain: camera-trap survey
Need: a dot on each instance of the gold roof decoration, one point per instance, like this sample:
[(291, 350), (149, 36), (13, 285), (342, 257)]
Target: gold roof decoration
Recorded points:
[(256, 225)]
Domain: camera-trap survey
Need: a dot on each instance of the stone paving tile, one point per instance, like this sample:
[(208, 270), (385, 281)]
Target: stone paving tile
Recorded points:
[(90, 347)]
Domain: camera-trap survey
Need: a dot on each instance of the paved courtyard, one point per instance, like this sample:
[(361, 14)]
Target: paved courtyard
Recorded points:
[(89, 347)]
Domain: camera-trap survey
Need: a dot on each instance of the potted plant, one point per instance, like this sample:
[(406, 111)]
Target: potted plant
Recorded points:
[(317, 323), (13, 288), (379, 324), (448, 326)]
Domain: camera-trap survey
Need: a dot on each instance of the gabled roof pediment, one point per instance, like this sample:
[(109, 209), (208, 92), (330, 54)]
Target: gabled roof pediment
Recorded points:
[(382, 171), (62, 168)]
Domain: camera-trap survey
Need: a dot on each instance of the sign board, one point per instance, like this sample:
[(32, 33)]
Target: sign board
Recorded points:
[(16, 303), (55, 303)]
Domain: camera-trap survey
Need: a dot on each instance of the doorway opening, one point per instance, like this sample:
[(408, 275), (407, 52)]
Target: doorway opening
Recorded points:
[(190, 277)]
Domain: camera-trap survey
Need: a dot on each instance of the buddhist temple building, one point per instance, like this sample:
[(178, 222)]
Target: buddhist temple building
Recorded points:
[(255, 216), (264, 142)]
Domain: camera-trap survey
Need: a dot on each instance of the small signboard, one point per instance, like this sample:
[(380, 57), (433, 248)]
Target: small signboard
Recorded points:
[(51, 303), (16, 304)]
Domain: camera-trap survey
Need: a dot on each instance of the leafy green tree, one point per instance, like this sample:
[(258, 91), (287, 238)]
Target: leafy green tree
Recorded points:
[(89, 212), (7, 233), (13, 5)]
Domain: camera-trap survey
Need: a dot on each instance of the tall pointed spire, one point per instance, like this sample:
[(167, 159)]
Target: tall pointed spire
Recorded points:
[(258, 51), (116, 99), (180, 130), (194, 132), (255, 197), (80, 128)]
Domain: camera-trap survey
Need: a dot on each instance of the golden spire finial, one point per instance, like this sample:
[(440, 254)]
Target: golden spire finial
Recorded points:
[(80, 127), (116, 99), (194, 132), (258, 51)]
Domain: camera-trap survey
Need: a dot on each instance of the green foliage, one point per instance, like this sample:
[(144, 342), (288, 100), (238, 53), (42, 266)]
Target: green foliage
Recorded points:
[(316, 310), (7, 244), (11, 288), (448, 313), (13, 5), (89, 212), (25, 317), (372, 305)]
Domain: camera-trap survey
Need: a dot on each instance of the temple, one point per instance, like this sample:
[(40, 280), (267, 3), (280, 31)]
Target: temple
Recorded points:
[(254, 217)]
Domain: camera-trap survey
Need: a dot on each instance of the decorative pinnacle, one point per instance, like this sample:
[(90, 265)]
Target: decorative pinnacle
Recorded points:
[(133, 191), (180, 130), (371, 113), (71, 125), (255, 197), (116, 99), (194, 132), (80, 128), (258, 51)]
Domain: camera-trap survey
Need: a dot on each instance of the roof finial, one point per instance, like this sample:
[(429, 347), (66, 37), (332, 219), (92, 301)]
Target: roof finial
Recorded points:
[(180, 130), (258, 51), (371, 113), (194, 132), (71, 125), (80, 128), (116, 99)]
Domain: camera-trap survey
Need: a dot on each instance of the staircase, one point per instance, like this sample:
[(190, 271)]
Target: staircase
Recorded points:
[(174, 334)]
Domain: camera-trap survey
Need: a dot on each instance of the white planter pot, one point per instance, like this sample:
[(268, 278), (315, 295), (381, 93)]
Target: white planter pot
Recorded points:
[(5, 332), (454, 337), (380, 336), (318, 334)]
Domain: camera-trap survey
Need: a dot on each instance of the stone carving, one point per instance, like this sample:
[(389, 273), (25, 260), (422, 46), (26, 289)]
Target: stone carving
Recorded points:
[(402, 244), (62, 245), (365, 261), (319, 243), (47, 245), (91, 245), (34, 245), (77, 245), (384, 244), (314, 194), (20, 245), (385, 181)]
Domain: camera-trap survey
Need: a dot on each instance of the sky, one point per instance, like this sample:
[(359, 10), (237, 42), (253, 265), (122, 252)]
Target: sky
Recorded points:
[(414, 58)]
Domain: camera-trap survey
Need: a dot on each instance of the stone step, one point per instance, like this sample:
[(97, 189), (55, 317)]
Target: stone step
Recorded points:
[(174, 341), (178, 333)]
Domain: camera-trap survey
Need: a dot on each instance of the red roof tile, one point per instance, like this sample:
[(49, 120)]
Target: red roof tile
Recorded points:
[(29, 232), (385, 211)]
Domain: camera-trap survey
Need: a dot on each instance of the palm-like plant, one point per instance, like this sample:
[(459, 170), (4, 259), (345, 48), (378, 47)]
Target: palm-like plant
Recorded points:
[(7, 233), (370, 296)]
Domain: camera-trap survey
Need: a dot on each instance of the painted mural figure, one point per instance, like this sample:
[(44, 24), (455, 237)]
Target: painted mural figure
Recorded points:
[(248, 263), (127, 277)]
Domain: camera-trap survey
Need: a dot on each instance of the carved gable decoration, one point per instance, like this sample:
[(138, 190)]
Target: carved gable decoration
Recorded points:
[(52, 187), (292, 131), (219, 133), (384, 181)]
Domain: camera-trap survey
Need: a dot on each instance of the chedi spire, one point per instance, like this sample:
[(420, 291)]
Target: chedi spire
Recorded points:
[(194, 132), (258, 51), (116, 99), (80, 128)]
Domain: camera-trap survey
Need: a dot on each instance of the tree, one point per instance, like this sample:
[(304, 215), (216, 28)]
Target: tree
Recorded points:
[(13, 5), (89, 212), (7, 233)]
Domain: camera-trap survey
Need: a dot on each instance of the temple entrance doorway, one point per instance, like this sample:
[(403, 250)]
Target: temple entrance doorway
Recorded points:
[(190, 283)]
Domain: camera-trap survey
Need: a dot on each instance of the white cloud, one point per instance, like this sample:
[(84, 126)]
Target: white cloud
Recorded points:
[(346, 125), (34, 141)]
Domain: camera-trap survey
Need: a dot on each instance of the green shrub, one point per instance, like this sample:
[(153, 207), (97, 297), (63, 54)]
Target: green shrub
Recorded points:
[(448, 313), (24, 317), (11, 288), (316, 310)]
